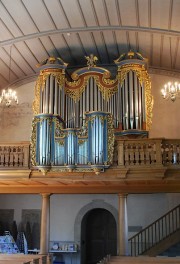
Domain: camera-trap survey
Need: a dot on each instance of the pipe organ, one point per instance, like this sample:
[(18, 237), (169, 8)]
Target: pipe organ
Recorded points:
[(134, 93), (76, 121)]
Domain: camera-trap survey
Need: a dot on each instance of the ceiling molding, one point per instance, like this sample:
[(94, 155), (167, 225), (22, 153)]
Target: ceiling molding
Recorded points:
[(165, 72), (90, 29)]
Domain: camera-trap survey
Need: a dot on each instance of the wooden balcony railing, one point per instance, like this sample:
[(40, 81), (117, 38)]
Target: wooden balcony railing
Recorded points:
[(147, 152), (128, 153), (14, 155)]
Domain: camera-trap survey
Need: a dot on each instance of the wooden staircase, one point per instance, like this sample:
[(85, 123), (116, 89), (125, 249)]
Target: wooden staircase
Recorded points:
[(157, 237)]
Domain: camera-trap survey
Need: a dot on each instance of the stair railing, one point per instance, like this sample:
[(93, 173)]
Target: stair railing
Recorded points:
[(155, 232)]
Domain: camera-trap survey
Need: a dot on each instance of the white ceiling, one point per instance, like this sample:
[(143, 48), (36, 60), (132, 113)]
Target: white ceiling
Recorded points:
[(71, 29)]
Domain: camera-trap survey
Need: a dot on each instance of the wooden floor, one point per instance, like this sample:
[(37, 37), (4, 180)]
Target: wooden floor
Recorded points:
[(23, 259), (141, 260)]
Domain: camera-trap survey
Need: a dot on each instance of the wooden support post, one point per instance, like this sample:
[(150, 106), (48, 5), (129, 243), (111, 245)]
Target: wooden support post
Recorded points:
[(123, 225)]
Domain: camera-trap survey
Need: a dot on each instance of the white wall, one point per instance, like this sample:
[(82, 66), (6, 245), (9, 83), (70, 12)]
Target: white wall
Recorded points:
[(142, 209), (165, 113), (16, 120)]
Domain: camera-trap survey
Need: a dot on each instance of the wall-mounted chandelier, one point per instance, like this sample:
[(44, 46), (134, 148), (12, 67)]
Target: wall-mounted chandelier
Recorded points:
[(8, 96), (171, 91)]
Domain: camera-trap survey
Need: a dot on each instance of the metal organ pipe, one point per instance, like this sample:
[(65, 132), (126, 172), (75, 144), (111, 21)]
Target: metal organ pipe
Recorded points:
[(90, 100), (67, 110), (44, 98), (70, 113), (59, 99), (51, 97), (123, 104), (98, 100), (140, 106), (47, 96), (47, 142), (91, 94), (81, 110), (95, 96), (76, 114), (41, 101), (40, 143), (105, 105), (62, 100), (55, 98), (126, 104), (115, 110), (119, 104), (83, 105), (136, 99), (131, 99), (87, 97), (143, 104)]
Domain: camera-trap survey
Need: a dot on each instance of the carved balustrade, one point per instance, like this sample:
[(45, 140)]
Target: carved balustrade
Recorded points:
[(14, 155), (147, 152), (171, 152), (129, 153)]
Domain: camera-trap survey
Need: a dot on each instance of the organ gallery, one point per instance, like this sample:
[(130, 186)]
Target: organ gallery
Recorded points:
[(78, 119)]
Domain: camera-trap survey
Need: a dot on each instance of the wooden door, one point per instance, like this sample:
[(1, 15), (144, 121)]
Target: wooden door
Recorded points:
[(99, 236)]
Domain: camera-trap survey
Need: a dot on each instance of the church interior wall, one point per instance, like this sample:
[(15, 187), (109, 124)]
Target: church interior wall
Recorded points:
[(142, 209), (165, 112)]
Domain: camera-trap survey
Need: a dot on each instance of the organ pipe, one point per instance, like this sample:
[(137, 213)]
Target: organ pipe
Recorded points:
[(135, 90), (41, 101), (47, 96), (55, 99), (51, 97), (126, 104), (131, 99), (136, 99), (143, 104)]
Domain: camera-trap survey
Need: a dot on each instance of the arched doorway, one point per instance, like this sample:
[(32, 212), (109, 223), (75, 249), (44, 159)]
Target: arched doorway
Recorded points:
[(98, 235)]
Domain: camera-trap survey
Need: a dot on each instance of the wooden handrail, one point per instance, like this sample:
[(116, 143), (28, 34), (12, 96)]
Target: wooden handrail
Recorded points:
[(155, 232)]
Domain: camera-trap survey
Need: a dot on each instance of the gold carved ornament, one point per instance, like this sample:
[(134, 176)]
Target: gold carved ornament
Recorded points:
[(107, 92), (75, 89), (143, 77), (91, 61), (60, 142), (111, 138), (58, 128), (148, 99), (82, 141), (33, 141), (37, 89), (40, 84)]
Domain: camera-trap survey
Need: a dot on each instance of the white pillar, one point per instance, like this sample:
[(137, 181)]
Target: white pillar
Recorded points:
[(123, 225), (45, 216)]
